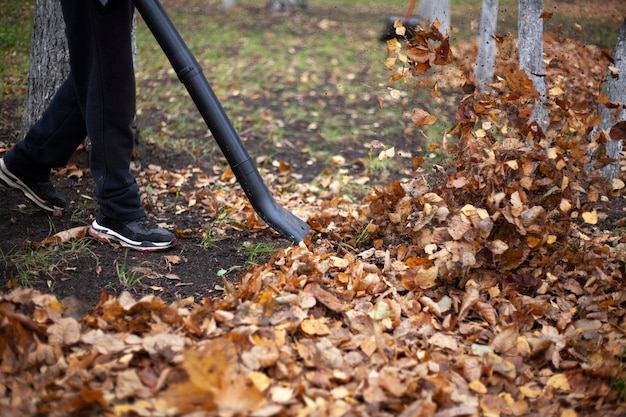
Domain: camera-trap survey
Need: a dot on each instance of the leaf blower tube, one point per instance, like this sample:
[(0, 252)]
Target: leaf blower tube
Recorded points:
[(190, 74)]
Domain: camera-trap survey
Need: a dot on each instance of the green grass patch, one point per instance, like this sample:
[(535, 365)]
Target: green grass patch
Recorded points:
[(15, 32), (256, 252), (32, 265), (128, 277)]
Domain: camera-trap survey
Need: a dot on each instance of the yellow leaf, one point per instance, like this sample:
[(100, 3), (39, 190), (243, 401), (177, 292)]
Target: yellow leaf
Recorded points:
[(533, 241), (338, 262), (590, 217), (478, 387), (339, 392), (394, 45), (559, 381), (552, 153), (530, 392), (314, 327), (399, 26), (555, 91), (468, 209), (260, 380), (281, 394), (568, 412)]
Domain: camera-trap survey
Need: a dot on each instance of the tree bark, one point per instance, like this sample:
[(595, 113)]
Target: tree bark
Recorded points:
[(615, 89), (530, 45), (486, 58), (279, 5), (49, 60), (432, 10)]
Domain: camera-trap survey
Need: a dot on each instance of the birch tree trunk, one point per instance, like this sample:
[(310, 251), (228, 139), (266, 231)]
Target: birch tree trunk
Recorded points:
[(49, 60), (432, 10), (615, 89), (486, 58), (530, 45)]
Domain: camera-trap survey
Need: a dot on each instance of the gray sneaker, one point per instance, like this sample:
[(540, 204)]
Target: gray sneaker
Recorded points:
[(41, 193), (141, 234)]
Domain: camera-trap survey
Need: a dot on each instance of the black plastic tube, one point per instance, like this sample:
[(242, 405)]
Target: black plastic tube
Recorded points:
[(190, 74)]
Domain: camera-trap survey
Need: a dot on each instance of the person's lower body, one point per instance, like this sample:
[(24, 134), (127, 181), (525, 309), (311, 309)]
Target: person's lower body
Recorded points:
[(97, 100)]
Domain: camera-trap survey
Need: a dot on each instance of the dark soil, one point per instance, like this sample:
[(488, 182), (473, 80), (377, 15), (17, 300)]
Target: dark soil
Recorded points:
[(86, 272)]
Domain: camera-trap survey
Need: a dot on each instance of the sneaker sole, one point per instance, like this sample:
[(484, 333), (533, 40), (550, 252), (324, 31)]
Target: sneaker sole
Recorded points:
[(107, 235), (14, 182)]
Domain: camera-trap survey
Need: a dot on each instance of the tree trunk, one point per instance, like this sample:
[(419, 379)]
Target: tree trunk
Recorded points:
[(432, 10), (530, 44), (486, 58), (279, 5), (615, 89), (49, 60)]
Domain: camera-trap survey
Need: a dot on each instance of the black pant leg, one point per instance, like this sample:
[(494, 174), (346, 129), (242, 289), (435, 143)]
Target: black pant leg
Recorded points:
[(101, 62)]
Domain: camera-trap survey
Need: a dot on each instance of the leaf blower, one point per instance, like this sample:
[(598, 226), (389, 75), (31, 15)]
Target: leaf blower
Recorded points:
[(191, 75)]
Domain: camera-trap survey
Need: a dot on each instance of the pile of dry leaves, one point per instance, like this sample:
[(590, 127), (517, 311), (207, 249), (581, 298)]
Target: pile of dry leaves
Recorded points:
[(493, 292)]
